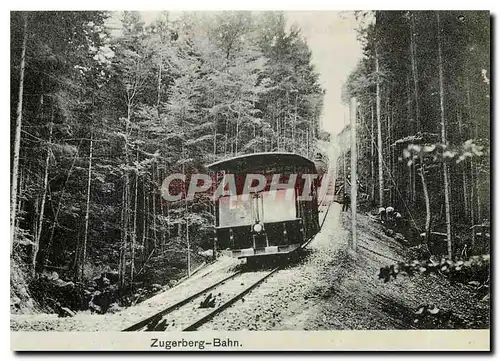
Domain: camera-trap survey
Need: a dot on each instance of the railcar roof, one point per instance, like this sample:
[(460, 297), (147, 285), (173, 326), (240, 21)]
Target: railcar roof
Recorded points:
[(258, 160)]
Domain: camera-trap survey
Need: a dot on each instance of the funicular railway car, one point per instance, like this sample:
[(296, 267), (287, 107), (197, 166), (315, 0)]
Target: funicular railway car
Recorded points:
[(270, 220)]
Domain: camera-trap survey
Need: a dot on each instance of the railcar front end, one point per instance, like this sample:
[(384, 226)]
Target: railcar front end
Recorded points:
[(270, 221)]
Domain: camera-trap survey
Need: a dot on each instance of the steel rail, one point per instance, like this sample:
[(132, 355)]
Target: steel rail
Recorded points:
[(179, 304), (224, 306)]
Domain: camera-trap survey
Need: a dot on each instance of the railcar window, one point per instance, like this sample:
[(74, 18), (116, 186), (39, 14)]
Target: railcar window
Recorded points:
[(235, 211), (278, 206)]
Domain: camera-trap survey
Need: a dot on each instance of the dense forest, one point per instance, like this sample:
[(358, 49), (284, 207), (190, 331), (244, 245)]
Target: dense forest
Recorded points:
[(423, 92), (101, 114), (105, 106)]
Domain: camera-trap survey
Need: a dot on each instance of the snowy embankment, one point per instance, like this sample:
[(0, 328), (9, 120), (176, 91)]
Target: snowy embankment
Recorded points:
[(85, 321), (334, 289)]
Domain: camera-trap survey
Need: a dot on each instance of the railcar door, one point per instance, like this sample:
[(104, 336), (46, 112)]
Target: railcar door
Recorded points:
[(280, 215), (259, 233)]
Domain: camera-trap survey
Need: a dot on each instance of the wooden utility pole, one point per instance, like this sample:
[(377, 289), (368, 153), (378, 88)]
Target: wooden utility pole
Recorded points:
[(354, 185)]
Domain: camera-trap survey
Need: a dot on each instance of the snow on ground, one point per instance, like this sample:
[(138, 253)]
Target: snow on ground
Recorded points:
[(85, 321), (331, 288)]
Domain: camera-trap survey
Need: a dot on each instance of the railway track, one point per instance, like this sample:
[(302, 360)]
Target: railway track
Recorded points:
[(192, 312), (199, 308), (139, 326)]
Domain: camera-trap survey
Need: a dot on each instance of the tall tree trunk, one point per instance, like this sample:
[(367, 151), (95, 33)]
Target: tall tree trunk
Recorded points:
[(159, 87), (474, 165), (153, 201), (38, 234), (412, 175), (379, 136), (121, 267), (85, 236), (463, 167), (188, 243), (144, 220), (36, 207), (134, 230), (126, 203), (162, 213), (237, 128), (186, 219), (254, 136), (394, 112), (214, 214), (414, 68), (372, 154), (478, 198), (17, 140), (278, 130), (215, 132), (22, 182), (168, 222), (389, 150), (122, 232), (473, 181), (427, 201), (161, 207), (295, 122), (226, 136), (359, 134), (443, 140), (275, 131)]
